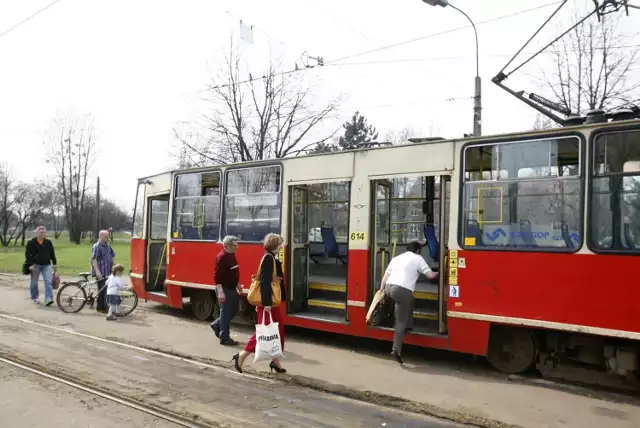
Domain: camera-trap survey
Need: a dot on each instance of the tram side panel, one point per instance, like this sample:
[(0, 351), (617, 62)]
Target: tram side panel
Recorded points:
[(575, 291)]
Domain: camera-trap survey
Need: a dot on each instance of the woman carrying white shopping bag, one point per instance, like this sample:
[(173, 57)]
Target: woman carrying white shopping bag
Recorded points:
[(268, 345), (266, 293)]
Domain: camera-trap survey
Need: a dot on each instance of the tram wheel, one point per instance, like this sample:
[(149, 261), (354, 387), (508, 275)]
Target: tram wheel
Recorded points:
[(202, 303), (512, 350), (216, 310)]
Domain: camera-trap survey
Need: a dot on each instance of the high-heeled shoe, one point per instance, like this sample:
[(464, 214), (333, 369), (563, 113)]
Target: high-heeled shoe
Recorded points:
[(236, 361), (273, 366)]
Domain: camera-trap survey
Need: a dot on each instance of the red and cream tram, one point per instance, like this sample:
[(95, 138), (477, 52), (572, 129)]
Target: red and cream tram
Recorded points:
[(537, 237)]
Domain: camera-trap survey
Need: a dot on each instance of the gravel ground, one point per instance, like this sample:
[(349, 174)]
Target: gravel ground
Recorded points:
[(28, 400)]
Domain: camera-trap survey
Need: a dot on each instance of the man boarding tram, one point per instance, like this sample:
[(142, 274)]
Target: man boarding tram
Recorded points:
[(399, 284)]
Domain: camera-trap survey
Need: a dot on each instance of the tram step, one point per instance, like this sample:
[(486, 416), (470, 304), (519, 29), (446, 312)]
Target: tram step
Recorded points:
[(424, 316), (326, 291), (325, 306)]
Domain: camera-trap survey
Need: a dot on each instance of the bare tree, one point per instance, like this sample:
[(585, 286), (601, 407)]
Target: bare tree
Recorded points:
[(54, 207), (403, 135), (193, 149), (592, 67), (7, 205), (72, 149), (29, 205), (400, 136), (542, 122), (257, 118)]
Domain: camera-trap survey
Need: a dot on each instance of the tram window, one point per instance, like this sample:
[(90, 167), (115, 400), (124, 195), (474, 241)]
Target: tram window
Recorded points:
[(252, 203), (196, 207), (329, 206), (159, 219), (138, 214), (615, 202), (407, 218), (524, 195)]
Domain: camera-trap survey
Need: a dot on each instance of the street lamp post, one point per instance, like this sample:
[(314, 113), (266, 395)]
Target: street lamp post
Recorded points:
[(477, 98)]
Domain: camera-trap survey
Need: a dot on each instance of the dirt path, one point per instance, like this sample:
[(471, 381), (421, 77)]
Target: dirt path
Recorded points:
[(424, 384), (212, 394), (30, 401)]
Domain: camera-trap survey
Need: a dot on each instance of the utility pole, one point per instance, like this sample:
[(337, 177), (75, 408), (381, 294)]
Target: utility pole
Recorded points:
[(477, 94), (97, 225), (477, 109)]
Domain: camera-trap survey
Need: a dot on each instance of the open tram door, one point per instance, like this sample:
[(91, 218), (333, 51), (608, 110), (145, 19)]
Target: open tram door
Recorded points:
[(380, 243), (156, 254), (445, 263), (299, 249)]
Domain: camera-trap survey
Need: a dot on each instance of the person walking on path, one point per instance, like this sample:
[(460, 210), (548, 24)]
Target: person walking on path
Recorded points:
[(102, 256), (399, 283), (272, 243), (40, 256), (227, 280)]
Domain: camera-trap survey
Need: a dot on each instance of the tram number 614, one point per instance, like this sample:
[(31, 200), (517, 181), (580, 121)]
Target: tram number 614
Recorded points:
[(358, 236)]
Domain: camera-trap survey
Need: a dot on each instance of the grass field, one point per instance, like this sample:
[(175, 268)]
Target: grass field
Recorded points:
[(72, 258)]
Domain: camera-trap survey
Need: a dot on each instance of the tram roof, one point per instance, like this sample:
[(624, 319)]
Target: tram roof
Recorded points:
[(417, 142)]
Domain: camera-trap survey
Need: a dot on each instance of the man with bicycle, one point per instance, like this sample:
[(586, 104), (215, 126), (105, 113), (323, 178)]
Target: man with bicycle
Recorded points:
[(102, 256)]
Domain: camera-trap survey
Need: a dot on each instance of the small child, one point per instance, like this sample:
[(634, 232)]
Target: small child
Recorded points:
[(114, 286)]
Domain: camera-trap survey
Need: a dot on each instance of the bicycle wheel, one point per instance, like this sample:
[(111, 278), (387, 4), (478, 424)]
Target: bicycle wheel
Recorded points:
[(129, 302), (71, 297)]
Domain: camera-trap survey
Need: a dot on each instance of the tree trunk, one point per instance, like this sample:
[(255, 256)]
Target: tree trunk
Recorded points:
[(24, 233)]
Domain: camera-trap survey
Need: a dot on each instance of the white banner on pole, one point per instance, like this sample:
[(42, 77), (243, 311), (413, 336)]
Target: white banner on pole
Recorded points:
[(246, 33)]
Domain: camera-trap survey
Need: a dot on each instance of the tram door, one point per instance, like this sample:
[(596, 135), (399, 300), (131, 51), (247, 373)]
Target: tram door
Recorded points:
[(157, 222), (380, 242), (445, 263), (299, 248)]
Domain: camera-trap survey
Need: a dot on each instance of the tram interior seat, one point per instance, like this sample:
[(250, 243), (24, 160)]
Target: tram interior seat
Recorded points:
[(234, 228), (526, 233), (432, 241), (210, 232), (188, 231), (256, 230), (474, 231), (331, 248)]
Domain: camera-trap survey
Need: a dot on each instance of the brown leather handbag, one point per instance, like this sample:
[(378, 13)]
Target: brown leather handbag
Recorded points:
[(255, 290)]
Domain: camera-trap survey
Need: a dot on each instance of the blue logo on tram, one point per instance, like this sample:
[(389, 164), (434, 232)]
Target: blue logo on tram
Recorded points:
[(497, 233)]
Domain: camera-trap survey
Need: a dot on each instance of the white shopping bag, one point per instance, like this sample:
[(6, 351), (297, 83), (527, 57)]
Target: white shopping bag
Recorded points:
[(268, 345)]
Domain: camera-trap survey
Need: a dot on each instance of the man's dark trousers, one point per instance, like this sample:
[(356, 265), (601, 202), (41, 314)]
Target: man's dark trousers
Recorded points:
[(227, 311), (101, 303)]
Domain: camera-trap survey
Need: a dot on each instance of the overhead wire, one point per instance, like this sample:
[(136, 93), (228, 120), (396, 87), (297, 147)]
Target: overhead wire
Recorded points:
[(29, 18), (417, 39), (382, 48), (442, 58)]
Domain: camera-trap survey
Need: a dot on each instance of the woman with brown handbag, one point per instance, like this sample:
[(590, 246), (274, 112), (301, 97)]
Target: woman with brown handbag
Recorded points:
[(269, 291)]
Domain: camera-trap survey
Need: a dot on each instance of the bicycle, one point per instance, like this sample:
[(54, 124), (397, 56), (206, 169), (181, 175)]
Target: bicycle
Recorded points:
[(70, 292)]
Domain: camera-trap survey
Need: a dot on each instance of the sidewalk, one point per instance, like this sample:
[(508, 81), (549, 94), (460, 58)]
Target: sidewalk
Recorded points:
[(434, 388)]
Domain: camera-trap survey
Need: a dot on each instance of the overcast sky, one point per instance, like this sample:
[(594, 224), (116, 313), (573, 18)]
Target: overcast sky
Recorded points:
[(139, 66)]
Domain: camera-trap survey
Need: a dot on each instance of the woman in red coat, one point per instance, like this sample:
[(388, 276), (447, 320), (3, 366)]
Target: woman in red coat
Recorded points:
[(272, 243)]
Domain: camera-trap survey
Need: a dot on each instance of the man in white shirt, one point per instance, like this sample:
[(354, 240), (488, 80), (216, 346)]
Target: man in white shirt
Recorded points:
[(399, 283)]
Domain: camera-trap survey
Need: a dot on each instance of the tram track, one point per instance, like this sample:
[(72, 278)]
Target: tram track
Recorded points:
[(183, 420), (584, 387)]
